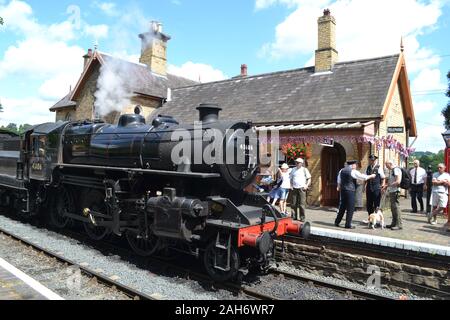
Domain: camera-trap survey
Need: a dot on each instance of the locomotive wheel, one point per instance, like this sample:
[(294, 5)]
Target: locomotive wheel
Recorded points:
[(63, 203), (95, 201), (141, 246), (216, 274)]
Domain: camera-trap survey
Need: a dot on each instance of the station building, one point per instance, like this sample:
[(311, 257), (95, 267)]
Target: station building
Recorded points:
[(333, 110)]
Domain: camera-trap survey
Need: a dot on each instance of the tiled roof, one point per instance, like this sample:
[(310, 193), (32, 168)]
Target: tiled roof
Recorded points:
[(353, 90), (64, 103)]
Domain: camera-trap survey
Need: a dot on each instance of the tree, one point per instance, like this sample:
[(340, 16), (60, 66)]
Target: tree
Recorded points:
[(12, 127), (446, 111), (24, 127), (430, 159), (1, 20)]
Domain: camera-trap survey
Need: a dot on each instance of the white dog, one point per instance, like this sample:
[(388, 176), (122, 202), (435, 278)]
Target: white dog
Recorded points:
[(376, 218)]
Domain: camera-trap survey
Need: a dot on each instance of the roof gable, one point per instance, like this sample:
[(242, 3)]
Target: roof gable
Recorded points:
[(138, 77)]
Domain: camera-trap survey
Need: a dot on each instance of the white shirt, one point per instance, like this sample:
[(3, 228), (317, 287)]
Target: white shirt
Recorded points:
[(300, 177), (355, 175), (393, 174), (285, 176), (441, 177), (421, 175)]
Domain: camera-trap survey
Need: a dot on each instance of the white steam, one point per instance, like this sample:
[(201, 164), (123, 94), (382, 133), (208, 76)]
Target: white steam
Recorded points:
[(114, 92)]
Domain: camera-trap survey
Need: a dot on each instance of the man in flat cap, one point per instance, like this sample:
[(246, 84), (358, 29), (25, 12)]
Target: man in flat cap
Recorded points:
[(300, 181), (374, 186), (347, 185)]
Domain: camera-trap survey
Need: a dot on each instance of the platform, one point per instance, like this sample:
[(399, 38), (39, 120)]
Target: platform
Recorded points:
[(16, 285), (417, 235)]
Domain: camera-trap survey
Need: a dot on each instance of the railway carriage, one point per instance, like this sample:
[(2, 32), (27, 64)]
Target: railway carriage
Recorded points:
[(123, 180)]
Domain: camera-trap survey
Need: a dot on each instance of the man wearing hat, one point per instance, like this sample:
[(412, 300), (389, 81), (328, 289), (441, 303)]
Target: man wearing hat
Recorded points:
[(347, 186), (300, 181), (374, 186)]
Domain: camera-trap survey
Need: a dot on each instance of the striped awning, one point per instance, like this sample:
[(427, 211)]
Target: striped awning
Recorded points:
[(316, 126)]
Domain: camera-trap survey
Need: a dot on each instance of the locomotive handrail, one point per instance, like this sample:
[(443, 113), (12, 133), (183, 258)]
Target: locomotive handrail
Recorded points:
[(158, 172)]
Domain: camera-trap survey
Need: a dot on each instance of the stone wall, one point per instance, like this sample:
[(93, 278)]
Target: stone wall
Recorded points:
[(86, 98), (395, 276), (65, 114)]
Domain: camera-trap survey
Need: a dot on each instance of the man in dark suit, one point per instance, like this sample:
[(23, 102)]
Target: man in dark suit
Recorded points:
[(374, 186), (347, 184)]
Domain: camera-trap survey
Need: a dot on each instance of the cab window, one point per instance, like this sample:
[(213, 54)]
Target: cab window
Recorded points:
[(39, 144)]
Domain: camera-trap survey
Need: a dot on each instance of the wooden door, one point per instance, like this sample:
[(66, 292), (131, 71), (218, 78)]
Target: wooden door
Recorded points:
[(332, 161)]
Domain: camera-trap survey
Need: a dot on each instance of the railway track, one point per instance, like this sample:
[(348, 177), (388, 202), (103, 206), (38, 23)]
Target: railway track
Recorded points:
[(243, 291), (95, 276)]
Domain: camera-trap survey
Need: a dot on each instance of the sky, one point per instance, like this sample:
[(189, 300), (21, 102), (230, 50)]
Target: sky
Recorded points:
[(42, 44)]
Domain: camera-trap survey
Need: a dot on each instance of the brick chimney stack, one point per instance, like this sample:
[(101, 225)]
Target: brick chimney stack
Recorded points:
[(154, 49), (326, 54), (244, 70), (87, 57)]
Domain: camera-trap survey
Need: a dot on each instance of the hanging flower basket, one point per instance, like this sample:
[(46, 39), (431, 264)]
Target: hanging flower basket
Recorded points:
[(297, 150)]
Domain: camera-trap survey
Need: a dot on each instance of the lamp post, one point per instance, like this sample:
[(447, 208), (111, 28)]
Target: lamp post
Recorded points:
[(446, 136)]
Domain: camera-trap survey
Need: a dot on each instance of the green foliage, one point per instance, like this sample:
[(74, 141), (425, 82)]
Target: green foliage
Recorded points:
[(1, 20), (446, 111), (17, 129), (429, 159)]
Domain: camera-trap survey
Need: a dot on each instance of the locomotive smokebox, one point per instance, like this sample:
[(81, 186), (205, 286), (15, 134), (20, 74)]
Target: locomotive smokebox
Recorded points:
[(209, 112)]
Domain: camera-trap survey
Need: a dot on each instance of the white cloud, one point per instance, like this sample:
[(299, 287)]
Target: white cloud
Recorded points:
[(422, 107), (42, 58), (426, 80), (364, 29), (42, 54), (58, 86), (29, 110), (197, 71), (96, 31), (108, 8)]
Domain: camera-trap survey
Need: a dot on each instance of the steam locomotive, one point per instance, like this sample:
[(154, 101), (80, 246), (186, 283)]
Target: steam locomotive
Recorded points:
[(123, 180)]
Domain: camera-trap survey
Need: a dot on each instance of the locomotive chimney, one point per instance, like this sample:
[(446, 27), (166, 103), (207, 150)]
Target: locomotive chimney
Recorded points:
[(209, 112)]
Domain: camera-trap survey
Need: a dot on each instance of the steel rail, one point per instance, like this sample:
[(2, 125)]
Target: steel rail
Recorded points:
[(131, 292)]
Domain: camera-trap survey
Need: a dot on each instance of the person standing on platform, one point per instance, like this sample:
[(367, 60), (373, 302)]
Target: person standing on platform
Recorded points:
[(419, 176), (439, 197), (300, 180), (393, 188), (374, 186), (347, 185), (285, 175)]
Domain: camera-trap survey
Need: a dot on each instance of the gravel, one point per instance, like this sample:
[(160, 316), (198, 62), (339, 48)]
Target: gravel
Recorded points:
[(291, 289), (67, 282), (287, 267), (160, 287)]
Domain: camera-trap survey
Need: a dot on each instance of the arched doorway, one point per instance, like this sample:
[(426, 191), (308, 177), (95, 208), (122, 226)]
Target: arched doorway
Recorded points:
[(332, 161)]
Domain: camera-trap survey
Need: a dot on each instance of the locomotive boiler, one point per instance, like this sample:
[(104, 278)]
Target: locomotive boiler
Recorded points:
[(161, 185)]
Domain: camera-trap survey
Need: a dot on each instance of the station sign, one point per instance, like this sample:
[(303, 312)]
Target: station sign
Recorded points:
[(396, 130), (328, 142)]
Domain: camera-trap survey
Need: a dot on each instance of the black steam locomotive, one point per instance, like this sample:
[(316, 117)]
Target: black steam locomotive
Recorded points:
[(123, 180)]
